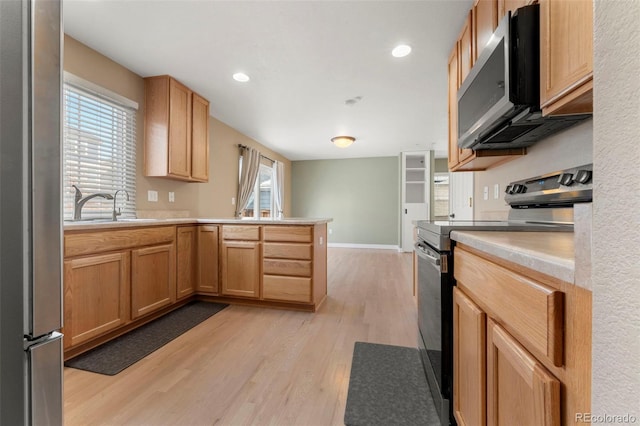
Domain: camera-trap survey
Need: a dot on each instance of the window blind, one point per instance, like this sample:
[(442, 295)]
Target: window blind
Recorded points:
[(99, 152)]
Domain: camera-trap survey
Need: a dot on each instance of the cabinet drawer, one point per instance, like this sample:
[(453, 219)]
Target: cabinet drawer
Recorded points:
[(116, 239), (300, 234), (287, 251), (293, 289), (299, 268), (531, 311), (241, 232)]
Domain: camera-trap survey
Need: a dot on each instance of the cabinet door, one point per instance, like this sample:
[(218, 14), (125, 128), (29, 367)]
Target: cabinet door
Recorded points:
[(200, 139), (485, 22), (566, 56), (96, 295), (465, 62), (469, 363), (520, 391), (241, 268), (453, 108), (208, 259), (465, 49), (153, 279), (179, 130), (505, 6), (186, 261)]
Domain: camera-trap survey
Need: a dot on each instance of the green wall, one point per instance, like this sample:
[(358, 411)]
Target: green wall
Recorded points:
[(361, 195)]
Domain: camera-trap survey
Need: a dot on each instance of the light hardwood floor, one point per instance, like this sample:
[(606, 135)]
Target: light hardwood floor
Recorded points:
[(257, 366)]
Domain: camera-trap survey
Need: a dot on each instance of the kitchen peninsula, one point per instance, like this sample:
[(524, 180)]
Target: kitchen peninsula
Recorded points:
[(120, 275)]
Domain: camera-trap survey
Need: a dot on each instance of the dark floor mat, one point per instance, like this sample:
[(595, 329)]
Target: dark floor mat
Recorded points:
[(388, 387), (118, 354)]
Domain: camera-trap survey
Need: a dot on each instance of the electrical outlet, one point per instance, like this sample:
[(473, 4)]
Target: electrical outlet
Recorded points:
[(330, 231), (172, 197), (496, 191), (485, 193), (233, 201), (152, 196)]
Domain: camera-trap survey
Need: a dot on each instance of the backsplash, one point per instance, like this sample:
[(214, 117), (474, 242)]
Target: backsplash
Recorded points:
[(570, 148)]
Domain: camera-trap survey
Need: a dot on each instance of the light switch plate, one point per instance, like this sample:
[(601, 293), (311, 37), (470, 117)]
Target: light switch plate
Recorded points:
[(485, 193), (496, 191), (172, 197), (152, 196)]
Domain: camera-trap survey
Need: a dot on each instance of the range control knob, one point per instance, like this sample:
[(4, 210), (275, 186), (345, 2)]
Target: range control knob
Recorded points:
[(509, 189), (565, 179), (583, 176)]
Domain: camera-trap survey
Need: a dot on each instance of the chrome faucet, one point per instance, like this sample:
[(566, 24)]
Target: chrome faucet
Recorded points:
[(80, 201), (114, 214)]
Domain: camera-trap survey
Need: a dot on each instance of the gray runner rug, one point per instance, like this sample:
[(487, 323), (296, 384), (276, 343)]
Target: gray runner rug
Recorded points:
[(121, 352), (388, 387)]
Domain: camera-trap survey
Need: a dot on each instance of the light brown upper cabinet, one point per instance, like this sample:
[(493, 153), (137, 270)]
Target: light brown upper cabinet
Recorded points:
[(454, 151), (566, 56), (505, 6), (176, 131), (465, 49), (485, 22), (200, 139)]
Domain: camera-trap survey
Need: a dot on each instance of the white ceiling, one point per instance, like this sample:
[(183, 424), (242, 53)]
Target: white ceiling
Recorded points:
[(305, 59)]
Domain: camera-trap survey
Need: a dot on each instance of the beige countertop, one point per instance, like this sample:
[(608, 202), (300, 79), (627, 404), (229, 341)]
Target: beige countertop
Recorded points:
[(552, 253), (124, 223)]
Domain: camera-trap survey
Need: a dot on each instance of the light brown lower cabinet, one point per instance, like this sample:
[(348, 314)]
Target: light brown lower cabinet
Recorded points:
[(153, 279), (96, 296), (469, 363), (520, 390), (208, 282), (241, 268), (521, 344), (186, 260), (117, 279)]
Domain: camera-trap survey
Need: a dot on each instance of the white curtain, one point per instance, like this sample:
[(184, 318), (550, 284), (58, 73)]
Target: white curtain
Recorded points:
[(249, 169), (278, 187)]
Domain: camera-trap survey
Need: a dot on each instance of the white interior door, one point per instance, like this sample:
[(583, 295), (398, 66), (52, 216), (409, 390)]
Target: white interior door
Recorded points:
[(461, 196), (411, 213), (416, 193)]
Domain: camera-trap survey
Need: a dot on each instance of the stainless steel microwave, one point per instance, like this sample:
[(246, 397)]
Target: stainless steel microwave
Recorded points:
[(499, 101)]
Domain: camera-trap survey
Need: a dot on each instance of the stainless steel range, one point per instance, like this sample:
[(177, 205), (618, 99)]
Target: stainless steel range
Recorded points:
[(541, 203)]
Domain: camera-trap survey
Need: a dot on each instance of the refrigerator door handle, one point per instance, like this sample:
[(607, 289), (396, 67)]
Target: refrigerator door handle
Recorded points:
[(44, 359), (45, 298)]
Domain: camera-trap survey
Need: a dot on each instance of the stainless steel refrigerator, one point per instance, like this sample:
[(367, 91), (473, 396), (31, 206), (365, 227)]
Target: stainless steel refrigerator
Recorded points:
[(30, 212)]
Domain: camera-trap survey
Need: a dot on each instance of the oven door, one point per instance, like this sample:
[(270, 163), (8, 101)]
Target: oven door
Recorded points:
[(434, 306)]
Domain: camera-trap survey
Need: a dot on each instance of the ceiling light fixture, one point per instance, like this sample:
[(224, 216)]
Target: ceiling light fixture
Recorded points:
[(343, 141), (401, 51), (241, 77)]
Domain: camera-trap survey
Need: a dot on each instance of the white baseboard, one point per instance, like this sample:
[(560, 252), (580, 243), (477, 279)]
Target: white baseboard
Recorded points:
[(364, 246)]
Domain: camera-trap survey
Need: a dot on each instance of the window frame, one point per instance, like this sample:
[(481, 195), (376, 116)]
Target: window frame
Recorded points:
[(90, 134), (256, 190)]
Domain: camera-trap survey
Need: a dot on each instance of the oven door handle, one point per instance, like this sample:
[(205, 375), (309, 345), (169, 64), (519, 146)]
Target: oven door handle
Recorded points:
[(422, 253)]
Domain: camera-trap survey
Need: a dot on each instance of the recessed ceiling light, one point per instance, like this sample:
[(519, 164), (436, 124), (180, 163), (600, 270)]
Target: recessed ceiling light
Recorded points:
[(401, 50), (241, 77)]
